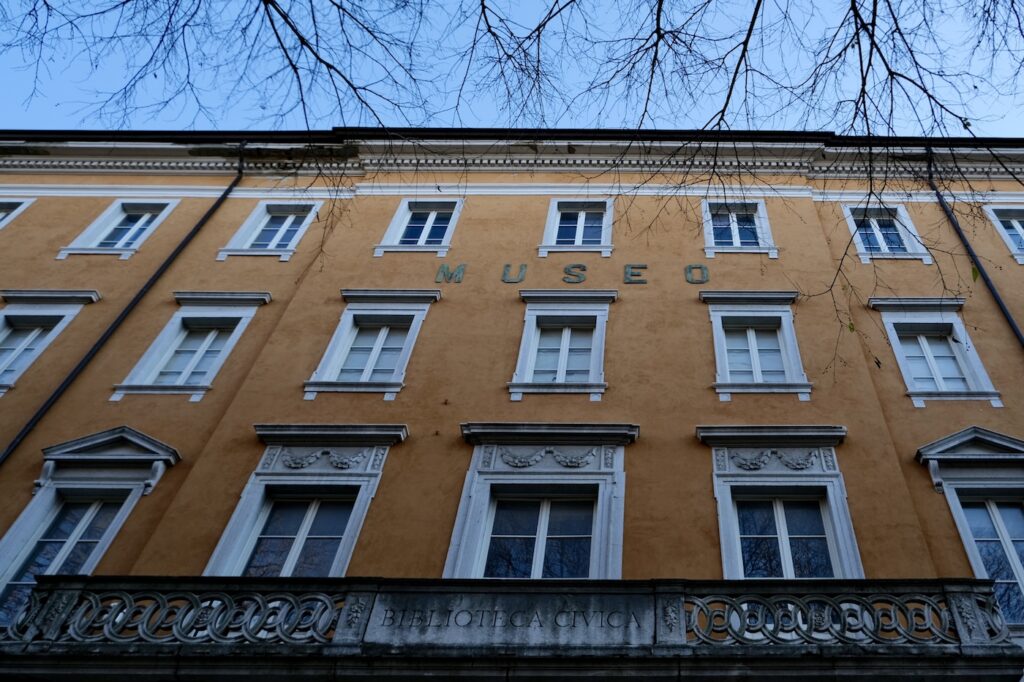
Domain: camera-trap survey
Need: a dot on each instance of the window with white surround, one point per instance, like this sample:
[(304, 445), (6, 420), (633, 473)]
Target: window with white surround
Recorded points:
[(373, 342), (421, 225), (29, 322), (575, 225), (87, 489), (884, 232), (1009, 222), (186, 356), (981, 473), (273, 229), (737, 227), (536, 510), (781, 502), (934, 353), (10, 209), (755, 343), (301, 511), (120, 229)]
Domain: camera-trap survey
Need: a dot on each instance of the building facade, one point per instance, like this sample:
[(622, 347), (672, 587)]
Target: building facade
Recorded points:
[(362, 403)]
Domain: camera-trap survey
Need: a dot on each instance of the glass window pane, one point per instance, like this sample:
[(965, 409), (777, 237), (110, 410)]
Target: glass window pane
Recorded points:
[(509, 558), (331, 518), (39, 560), (414, 229), (571, 517), (593, 224), (1010, 601), (566, 558), (11, 601), (285, 518), (803, 517), (810, 557), (516, 517), (1013, 518), (581, 338), (996, 564), (756, 517), (979, 520), (101, 521), (550, 337), (268, 557), (567, 227), (316, 558), (439, 228), (867, 236), (761, 558), (76, 558)]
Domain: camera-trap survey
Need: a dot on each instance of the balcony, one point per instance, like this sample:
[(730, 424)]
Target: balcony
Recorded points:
[(234, 628)]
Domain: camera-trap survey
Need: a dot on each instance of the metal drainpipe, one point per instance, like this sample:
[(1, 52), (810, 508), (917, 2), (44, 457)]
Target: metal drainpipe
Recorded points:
[(971, 254), (102, 340)]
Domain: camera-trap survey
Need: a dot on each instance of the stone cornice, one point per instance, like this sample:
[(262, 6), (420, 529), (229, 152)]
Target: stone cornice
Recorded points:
[(331, 434), (528, 433), (34, 296), (391, 295), (568, 295), (222, 298), (780, 435), (749, 297), (911, 304)]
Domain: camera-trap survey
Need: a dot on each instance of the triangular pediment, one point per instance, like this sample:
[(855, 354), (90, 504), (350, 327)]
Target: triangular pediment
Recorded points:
[(121, 444), (973, 444)]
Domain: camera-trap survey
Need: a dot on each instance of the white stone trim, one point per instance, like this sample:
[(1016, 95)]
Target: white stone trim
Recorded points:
[(23, 203), (240, 243), (741, 297), (548, 244), (811, 435), (66, 311), (222, 298), (50, 296), (784, 471), (369, 303), (571, 296), (306, 469), (538, 433), (389, 242), (545, 470), (85, 242), (911, 304), (331, 434), (990, 211), (140, 379), (782, 315), (766, 244), (981, 387), (916, 250)]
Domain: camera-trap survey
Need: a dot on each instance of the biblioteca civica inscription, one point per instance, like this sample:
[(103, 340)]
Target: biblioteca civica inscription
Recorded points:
[(573, 273), (501, 618)]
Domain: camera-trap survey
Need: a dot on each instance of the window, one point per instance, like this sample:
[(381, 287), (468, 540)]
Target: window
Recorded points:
[(301, 511), (541, 511), (373, 342), (934, 352), (781, 502), (755, 343), (578, 226), (273, 229), (737, 227), (885, 232), (540, 538), (1009, 222), (30, 322), (421, 226), (10, 209), (997, 529), (87, 489), (562, 349), (186, 355), (120, 229)]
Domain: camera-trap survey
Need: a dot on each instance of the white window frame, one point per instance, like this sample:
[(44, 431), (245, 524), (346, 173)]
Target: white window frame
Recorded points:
[(754, 305), (766, 243), (86, 242), (94, 468), (938, 313), (508, 456), (368, 303), (551, 228), (240, 306), (65, 304), (22, 205), (992, 212), (559, 303), (297, 463), (916, 249), (781, 462), (240, 243), (389, 242)]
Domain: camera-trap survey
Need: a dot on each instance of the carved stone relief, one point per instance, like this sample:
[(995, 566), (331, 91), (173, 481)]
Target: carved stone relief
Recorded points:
[(551, 458), (339, 458), (775, 459)]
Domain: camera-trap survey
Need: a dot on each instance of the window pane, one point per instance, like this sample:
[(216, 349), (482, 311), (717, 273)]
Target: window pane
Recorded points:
[(571, 518), (804, 517), (268, 557), (39, 560), (1013, 518), (756, 517), (996, 564), (316, 558), (11, 601), (101, 521), (1012, 229), (415, 227), (269, 231), (550, 337), (68, 518), (593, 224), (331, 518), (1010, 601), (509, 558), (867, 236), (76, 558), (567, 227), (567, 558), (810, 557), (285, 518), (438, 229), (516, 517), (761, 558), (747, 229), (890, 235), (979, 520)]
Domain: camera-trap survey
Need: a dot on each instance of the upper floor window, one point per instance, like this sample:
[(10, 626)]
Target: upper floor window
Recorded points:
[(562, 349), (421, 226), (578, 226), (1009, 222), (784, 538), (737, 227), (540, 538), (273, 229), (934, 353), (885, 232), (120, 229), (299, 537), (755, 343), (373, 342), (186, 356), (10, 208)]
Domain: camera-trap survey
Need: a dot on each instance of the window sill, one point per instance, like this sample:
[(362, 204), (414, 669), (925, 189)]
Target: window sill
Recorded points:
[(283, 254), (123, 254), (725, 390), (919, 397), (388, 388), (517, 389), (604, 249), (710, 251), (440, 249), (925, 258), (196, 392)]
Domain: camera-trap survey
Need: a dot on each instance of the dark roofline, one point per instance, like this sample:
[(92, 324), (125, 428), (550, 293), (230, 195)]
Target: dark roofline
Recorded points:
[(342, 135)]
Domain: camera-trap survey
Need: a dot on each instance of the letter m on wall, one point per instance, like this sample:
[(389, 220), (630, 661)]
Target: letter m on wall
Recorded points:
[(446, 274)]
